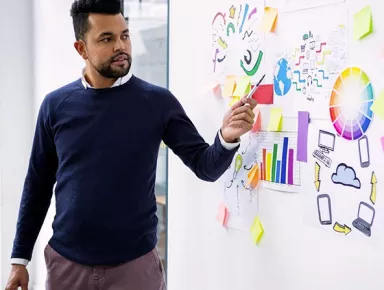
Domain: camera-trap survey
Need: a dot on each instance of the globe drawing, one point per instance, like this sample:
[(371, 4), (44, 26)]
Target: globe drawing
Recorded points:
[(282, 81)]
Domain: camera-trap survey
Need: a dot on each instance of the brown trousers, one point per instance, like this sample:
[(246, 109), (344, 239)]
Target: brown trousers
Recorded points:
[(144, 273)]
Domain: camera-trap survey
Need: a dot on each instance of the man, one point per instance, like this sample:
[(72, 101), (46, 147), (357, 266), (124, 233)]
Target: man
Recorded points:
[(98, 139)]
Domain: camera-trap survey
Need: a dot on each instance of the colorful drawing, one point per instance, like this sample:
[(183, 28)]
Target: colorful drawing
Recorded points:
[(282, 77), (343, 229), (365, 218), (346, 176), (326, 143), (351, 99), (237, 25), (277, 158)]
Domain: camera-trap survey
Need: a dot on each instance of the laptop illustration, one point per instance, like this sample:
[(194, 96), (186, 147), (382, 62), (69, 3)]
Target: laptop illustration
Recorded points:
[(365, 217)]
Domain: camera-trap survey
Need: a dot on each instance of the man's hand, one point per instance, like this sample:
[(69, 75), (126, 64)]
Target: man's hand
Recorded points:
[(238, 120), (19, 277)]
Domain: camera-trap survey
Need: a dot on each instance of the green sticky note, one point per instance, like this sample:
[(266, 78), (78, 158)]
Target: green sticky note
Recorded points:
[(378, 105), (243, 87), (362, 23), (275, 120)]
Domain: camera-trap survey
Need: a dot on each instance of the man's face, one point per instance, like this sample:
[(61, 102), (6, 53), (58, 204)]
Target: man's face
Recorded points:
[(108, 47)]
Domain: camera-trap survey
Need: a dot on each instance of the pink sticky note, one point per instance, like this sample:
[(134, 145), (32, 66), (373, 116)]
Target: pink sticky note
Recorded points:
[(257, 125), (382, 142), (222, 215)]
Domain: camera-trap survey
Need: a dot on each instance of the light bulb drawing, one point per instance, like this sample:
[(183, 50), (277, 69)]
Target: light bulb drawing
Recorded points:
[(238, 164)]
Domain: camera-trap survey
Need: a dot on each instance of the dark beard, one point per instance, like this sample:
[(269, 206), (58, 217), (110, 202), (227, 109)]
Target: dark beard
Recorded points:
[(107, 71)]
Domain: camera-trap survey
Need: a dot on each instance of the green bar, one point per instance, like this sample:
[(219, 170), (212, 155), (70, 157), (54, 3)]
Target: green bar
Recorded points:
[(273, 179)]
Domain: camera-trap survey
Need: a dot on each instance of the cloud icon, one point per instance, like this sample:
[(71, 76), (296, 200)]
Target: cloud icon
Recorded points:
[(346, 175)]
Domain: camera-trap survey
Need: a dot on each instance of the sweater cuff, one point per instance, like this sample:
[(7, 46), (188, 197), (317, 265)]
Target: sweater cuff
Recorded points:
[(226, 145)]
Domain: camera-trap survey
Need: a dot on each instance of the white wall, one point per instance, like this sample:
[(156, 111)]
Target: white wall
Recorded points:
[(16, 97), (293, 254)]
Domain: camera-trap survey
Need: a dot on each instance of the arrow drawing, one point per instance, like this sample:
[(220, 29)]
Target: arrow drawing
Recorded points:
[(323, 73), (317, 83), (343, 229), (300, 58), (325, 52), (299, 74), (373, 188), (238, 201), (232, 12), (317, 176), (252, 13), (297, 88), (321, 47)]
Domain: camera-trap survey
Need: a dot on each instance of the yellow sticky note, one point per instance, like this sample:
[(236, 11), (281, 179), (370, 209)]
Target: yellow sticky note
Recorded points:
[(275, 120), (243, 86), (234, 100), (222, 215), (229, 86), (254, 176), (362, 23), (378, 105), (257, 230), (269, 19)]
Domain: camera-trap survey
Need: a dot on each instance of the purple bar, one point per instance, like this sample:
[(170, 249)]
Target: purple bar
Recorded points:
[(290, 166), (302, 136)]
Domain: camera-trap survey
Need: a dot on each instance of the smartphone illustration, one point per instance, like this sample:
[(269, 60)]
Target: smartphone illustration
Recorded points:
[(364, 152), (324, 209)]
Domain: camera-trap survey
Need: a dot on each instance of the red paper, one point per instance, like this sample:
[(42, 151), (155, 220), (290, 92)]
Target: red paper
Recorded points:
[(263, 94)]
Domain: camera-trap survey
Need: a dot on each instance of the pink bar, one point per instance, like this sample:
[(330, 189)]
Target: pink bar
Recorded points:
[(290, 166)]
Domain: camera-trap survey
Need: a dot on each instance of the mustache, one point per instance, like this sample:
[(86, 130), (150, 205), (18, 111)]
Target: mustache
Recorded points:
[(126, 56)]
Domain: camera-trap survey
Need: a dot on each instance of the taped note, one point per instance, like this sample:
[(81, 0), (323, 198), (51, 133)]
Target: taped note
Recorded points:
[(362, 23), (254, 176), (269, 19), (257, 125), (257, 230), (222, 215), (302, 136), (264, 94), (229, 86), (243, 86), (275, 120), (378, 105)]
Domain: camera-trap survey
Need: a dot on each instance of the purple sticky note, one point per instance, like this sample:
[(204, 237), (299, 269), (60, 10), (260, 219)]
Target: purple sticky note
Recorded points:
[(302, 136), (382, 142)]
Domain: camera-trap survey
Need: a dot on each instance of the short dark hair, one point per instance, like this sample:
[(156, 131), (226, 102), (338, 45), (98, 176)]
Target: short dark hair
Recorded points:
[(80, 11)]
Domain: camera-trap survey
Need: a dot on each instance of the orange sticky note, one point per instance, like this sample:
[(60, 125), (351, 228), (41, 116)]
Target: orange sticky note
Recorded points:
[(254, 176), (222, 215), (229, 86), (257, 125), (269, 19)]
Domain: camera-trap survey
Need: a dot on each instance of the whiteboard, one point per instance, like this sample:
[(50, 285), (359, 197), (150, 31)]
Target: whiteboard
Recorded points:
[(301, 248)]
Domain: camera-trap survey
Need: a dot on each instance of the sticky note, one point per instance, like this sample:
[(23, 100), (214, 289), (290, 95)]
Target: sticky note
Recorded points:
[(222, 215), (229, 86), (264, 94), (257, 125), (382, 142), (243, 86), (257, 230), (213, 87), (269, 19), (362, 23), (234, 100), (302, 136), (378, 105), (254, 176), (275, 120)]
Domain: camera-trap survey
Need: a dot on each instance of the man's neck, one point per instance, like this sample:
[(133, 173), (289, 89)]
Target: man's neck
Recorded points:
[(97, 81)]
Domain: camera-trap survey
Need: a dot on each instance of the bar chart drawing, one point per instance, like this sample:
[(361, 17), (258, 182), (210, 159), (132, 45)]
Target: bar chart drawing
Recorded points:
[(277, 160)]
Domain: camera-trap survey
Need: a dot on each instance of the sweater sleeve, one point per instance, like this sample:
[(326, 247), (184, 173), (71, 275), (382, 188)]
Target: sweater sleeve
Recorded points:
[(38, 187), (208, 162)]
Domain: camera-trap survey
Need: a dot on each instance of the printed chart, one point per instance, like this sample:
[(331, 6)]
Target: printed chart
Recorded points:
[(351, 99), (277, 159)]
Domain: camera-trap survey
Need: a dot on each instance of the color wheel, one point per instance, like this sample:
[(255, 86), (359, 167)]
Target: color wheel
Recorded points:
[(351, 99)]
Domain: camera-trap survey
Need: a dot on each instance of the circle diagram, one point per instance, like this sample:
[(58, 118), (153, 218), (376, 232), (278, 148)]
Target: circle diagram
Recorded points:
[(350, 103)]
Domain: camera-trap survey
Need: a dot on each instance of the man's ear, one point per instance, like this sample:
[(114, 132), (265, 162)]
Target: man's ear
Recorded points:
[(80, 48)]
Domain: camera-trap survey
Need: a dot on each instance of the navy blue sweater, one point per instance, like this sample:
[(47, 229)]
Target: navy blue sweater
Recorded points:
[(100, 147)]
